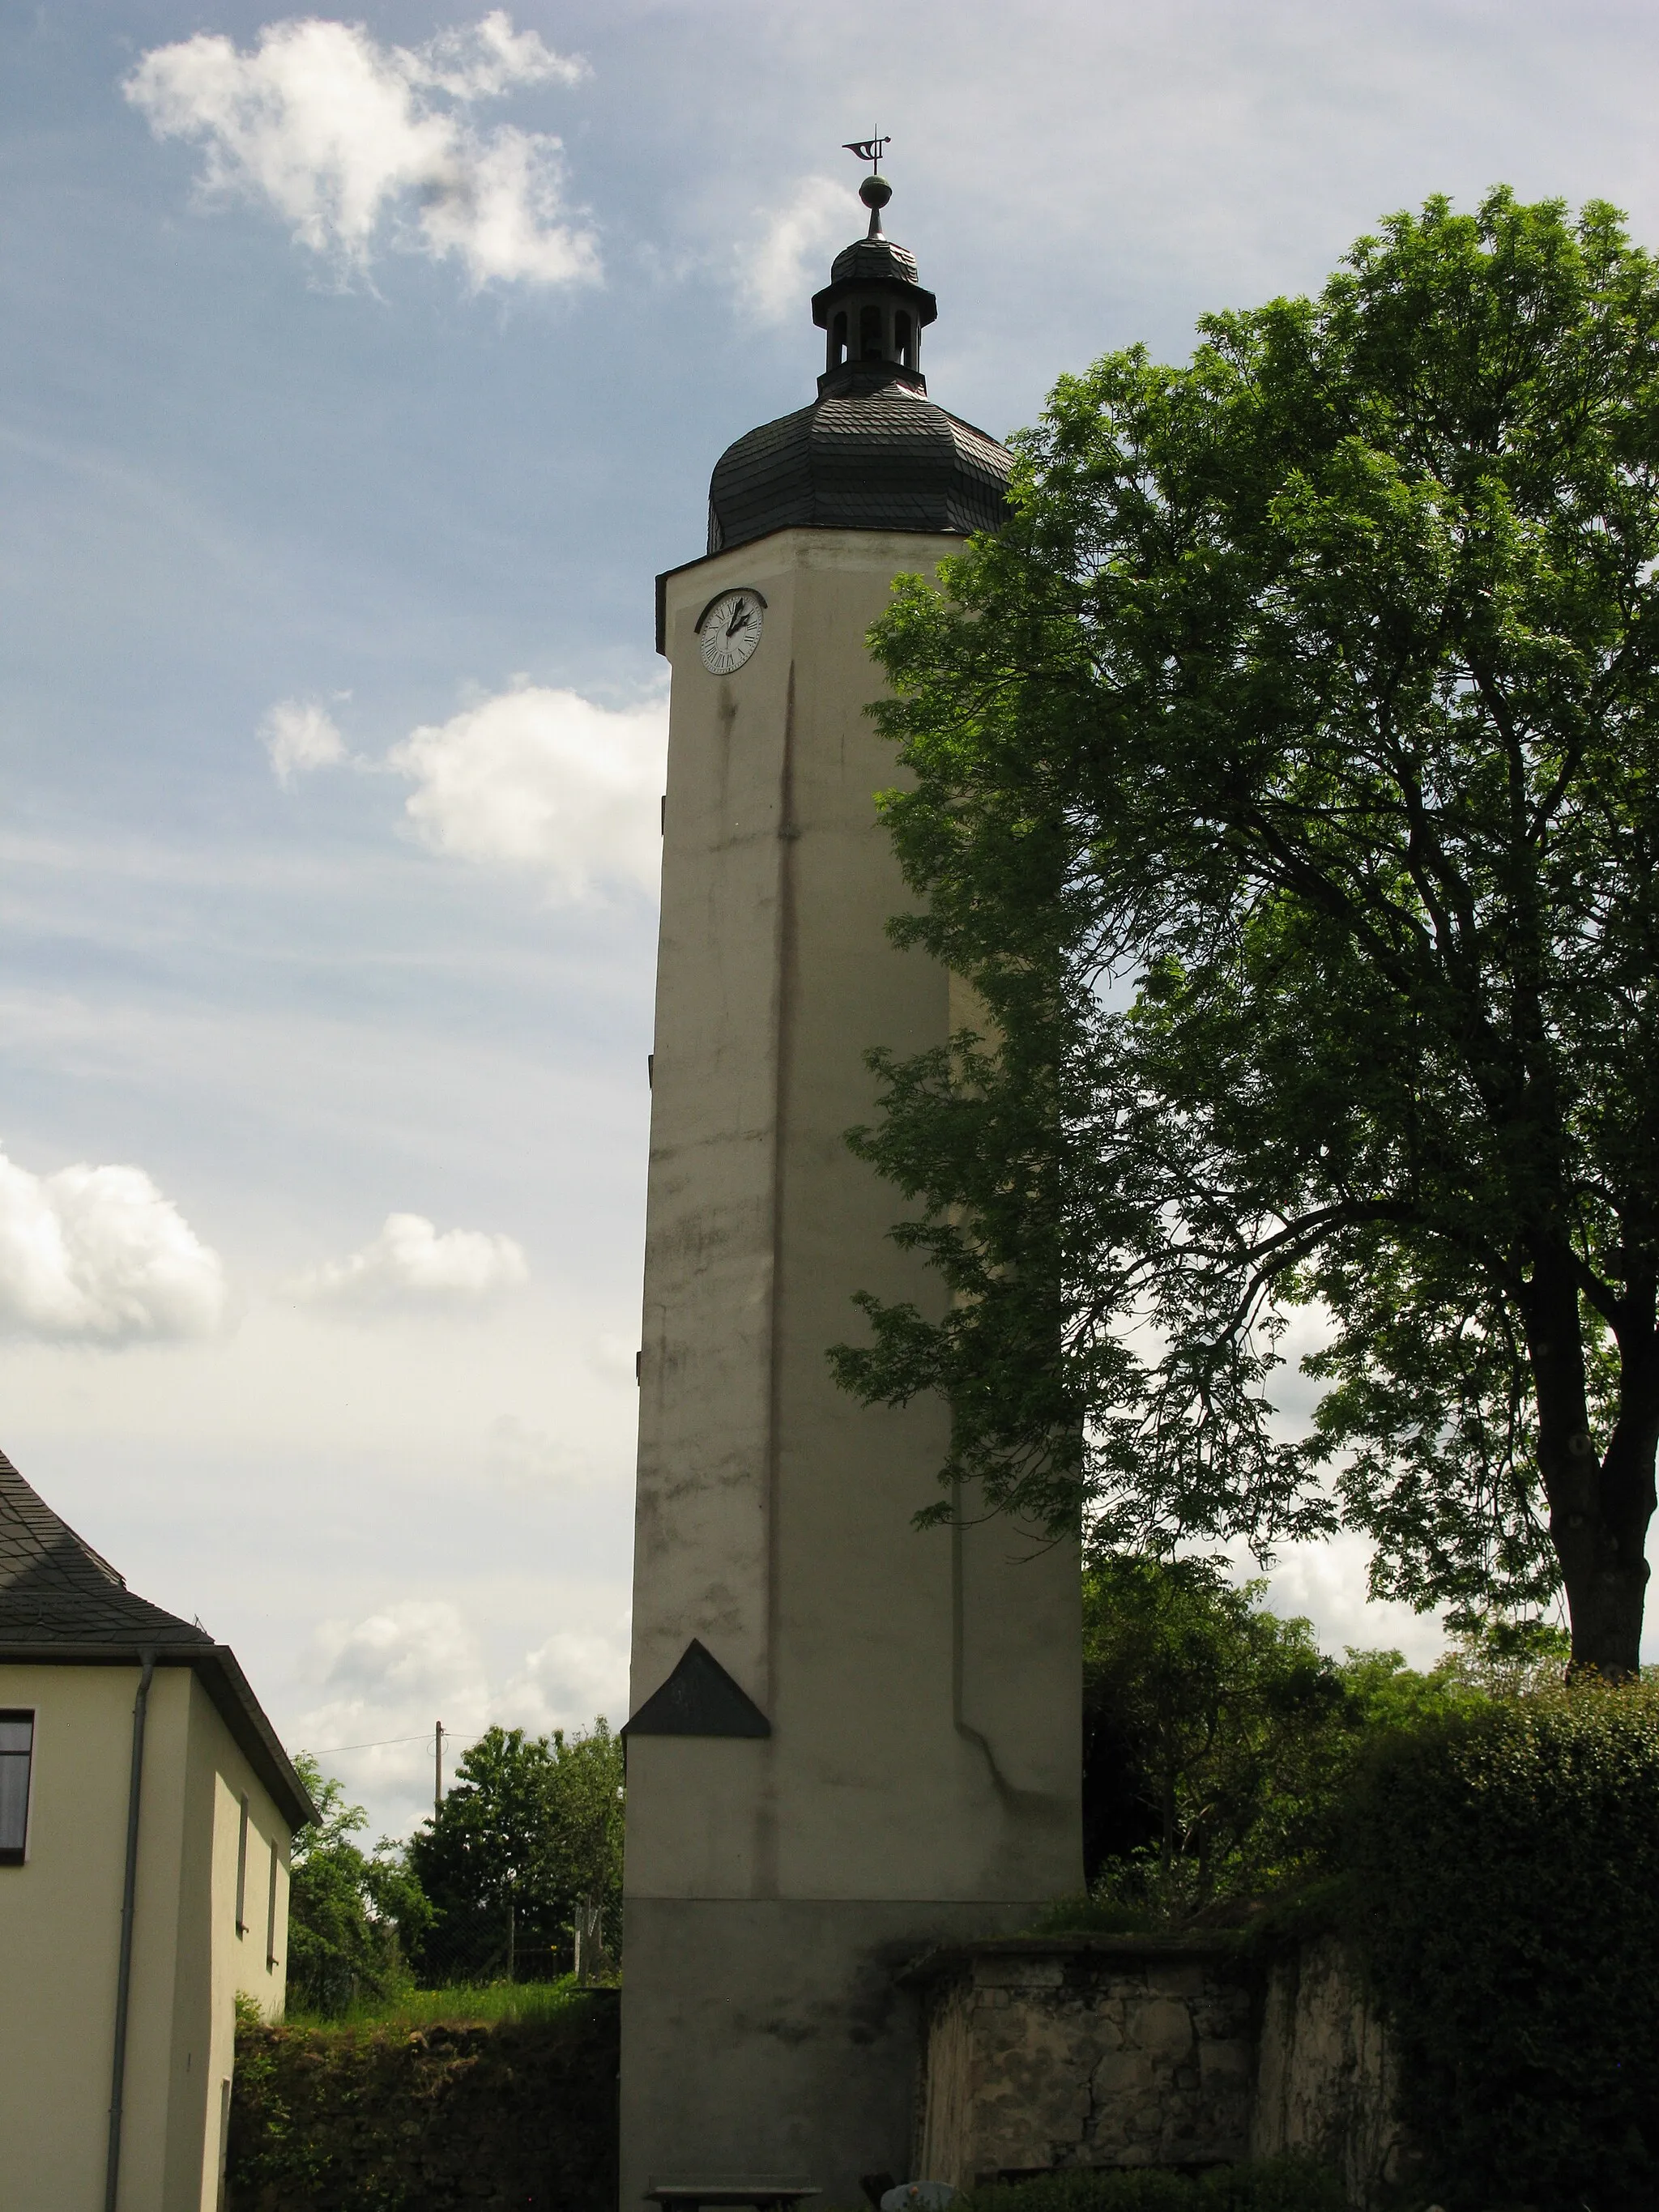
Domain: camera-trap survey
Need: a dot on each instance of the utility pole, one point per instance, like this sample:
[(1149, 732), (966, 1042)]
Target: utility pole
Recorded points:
[(438, 1774)]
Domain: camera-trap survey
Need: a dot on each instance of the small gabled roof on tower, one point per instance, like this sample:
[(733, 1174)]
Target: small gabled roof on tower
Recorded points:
[(699, 1699), (63, 1604)]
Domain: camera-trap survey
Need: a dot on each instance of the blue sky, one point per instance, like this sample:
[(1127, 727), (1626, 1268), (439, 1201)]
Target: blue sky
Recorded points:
[(344, 421)]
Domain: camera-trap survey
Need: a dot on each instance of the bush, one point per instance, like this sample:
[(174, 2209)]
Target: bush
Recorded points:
[(345, 1909), (1217, 1738), (1270, 2184), (1504, 1862), (451, 2118)]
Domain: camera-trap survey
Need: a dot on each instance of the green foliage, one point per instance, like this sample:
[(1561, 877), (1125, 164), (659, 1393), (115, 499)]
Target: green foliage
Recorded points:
[(280, 2157), (347, 1910), (522, 2113), (531, 1825), (1271, 2185), (456, 2003), (1505, 1860), (1285, 779), (1200, 1706), (1218, 1739)]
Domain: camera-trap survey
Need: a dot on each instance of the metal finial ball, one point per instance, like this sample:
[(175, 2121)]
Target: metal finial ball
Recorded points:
[(875, 191)]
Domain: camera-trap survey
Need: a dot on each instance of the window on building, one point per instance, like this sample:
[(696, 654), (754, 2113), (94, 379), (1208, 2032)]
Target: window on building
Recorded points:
[(901, 338), (869, 333), (838, 340), (271, 1913), (242, 1874), (16, 1754)]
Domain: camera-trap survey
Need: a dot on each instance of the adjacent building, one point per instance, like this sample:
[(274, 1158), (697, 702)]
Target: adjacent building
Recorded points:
[(146, 1813)]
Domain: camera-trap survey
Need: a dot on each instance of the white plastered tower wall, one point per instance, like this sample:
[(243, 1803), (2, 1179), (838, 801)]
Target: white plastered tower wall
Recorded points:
[(921, 1781)]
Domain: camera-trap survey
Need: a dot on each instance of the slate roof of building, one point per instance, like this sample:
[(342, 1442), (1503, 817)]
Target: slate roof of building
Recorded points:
[(62, 1603), (55, 1589), (889, 459)]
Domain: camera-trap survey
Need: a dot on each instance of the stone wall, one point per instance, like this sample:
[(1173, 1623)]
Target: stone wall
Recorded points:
[(1126, 2051), (1325, 2078)]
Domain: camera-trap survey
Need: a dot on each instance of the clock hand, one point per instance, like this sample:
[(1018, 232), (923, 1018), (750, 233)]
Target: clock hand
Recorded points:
[(740, 619)]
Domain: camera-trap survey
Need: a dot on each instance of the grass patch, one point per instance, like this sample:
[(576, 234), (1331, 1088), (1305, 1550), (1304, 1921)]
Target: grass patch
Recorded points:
[(461, 2005), (1267, 2185), (1096, 1916)]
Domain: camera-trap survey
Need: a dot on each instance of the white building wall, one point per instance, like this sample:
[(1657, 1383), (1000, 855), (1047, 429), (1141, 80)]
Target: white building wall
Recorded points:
[(921, 1779), (60, 1915)]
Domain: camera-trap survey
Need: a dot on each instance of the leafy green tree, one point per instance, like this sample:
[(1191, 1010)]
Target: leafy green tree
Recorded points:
[(348, 1913), (1285, 778), (1195, 1702), (531, 1827), (1217, 1738)]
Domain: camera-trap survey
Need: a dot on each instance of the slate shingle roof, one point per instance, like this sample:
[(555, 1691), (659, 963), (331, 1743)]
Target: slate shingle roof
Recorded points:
[(55, 1589), (885, 460), (61, 1602), (873, 453), (868, 260)]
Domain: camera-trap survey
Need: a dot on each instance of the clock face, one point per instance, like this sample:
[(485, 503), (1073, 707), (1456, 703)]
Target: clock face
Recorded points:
[(731, 631)]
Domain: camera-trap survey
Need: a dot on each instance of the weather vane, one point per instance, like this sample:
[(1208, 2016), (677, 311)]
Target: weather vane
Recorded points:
[(869, 149)]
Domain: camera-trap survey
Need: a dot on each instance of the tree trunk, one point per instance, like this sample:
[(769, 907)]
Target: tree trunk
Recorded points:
[(1607, 1587), (1599, 1507)]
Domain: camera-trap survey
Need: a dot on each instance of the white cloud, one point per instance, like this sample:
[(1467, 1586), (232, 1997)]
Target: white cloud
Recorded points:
[(410, 1263), (339, 134), (99, 1255), (577, 1675), (382, 1683), (1326, 1581), (389, 1677), (786, 262), (482, 60), (298, 735), (616, 1358), (546, 780), (526, 1460)]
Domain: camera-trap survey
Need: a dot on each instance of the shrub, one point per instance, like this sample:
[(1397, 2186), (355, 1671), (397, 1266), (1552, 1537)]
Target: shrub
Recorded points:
[(1217, 1738), (345, 1909), (1505, 1870), (445, 2118), (1269, 2184)]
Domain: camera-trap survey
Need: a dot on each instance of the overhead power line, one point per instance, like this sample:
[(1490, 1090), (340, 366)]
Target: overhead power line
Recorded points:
[(385, 1744)]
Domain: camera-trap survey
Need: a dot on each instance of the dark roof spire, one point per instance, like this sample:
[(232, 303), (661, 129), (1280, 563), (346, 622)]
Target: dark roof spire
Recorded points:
[(872, 452), (874, 310)]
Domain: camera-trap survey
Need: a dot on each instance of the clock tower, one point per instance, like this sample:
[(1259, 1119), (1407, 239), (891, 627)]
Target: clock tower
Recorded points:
[(850, 1741)]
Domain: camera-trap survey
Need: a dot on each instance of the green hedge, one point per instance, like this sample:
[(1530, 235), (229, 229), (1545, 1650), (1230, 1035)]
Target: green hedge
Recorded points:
[(1505, 1873), (1273, 2185), (517, 2113)]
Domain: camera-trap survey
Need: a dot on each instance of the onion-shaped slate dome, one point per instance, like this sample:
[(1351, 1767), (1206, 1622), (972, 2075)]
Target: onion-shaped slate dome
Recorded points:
[(872, 451)]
